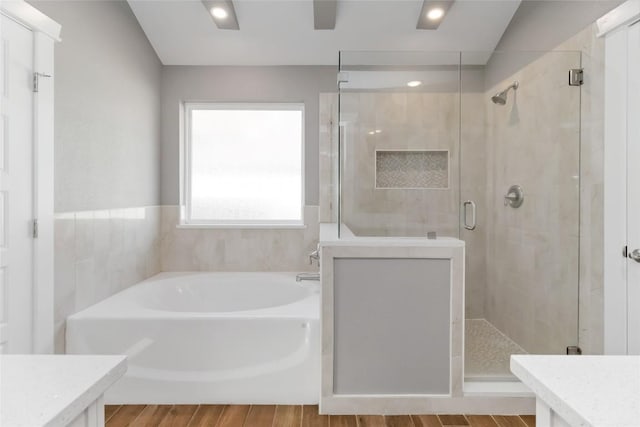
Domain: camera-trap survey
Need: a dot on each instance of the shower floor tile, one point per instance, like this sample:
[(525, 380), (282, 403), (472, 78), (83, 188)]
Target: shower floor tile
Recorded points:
[(487, 351)]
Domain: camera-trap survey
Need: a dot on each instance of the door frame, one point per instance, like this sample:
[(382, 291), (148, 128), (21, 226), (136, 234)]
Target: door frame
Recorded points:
[(46, 32), (614, 28)]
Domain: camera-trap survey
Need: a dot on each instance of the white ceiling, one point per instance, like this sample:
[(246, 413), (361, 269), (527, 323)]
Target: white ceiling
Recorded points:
[(278, 32)]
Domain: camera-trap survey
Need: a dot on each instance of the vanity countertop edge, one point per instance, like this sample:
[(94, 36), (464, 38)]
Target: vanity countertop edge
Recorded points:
[(52, 390)]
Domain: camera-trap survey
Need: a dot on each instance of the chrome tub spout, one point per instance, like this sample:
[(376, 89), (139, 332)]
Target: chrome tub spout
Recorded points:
[(307, 276)]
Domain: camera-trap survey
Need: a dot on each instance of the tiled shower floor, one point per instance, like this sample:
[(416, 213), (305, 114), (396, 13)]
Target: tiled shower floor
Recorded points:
[(487, 351)]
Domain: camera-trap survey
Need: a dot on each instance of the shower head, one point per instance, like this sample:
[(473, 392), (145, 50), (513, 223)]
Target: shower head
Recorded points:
[(501, 97)]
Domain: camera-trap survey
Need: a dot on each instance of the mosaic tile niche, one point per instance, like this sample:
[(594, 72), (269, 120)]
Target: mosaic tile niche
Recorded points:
[(412, 169)]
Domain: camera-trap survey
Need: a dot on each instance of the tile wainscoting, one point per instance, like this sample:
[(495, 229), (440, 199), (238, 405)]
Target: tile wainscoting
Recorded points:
[(235, 249), (99, 253)]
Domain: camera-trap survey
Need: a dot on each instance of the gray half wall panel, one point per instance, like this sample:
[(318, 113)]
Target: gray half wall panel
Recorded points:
[(392, 326)]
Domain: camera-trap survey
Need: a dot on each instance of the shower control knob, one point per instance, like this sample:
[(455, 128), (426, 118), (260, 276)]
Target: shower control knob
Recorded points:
[(514, 196), (635, 255)]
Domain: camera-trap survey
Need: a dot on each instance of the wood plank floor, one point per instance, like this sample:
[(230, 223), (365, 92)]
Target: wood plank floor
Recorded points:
[(288, 416)]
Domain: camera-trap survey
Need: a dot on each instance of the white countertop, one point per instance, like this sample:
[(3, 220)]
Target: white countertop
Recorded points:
[(52, 390), (329, 236), (597, 391)]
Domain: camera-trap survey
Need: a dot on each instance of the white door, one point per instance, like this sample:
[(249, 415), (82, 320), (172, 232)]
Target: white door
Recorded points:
[(633, 190), (16, 188)]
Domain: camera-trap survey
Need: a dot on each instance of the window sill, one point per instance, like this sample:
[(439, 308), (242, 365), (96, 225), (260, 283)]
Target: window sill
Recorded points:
[(244, 226)]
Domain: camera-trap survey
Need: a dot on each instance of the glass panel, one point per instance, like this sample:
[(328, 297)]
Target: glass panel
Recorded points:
[(522, 262), (399, 143)]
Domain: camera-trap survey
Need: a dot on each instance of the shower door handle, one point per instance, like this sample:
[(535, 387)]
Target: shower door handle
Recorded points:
[(468, 226), (635, 255)]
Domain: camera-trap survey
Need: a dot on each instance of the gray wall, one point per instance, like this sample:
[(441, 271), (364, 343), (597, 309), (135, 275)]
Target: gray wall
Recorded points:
[(107, 108), (543, 25), (538, 27), (241, 84), (107, 154)]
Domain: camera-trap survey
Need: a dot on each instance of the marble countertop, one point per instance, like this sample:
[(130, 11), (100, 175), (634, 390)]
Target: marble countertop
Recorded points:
[(595, 391), (52, 390)]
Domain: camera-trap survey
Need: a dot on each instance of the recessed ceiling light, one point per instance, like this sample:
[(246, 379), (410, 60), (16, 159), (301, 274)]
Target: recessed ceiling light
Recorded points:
[(435, 13), (222, 13), (378, 131), (372, 133), (414, 83), (219, 13)]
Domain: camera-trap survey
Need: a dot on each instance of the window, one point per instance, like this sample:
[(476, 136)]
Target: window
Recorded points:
[(243, 164)]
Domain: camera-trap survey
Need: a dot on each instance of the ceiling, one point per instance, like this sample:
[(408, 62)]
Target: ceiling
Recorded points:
[(278, 32)]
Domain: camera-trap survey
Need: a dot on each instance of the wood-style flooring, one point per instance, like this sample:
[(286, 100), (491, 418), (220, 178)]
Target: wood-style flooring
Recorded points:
[(287, 416)]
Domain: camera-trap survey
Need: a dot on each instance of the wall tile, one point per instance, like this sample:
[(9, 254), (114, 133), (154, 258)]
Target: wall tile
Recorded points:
[(98, 253), (84, 236), (223, 249), (537, 304), (408, 121)]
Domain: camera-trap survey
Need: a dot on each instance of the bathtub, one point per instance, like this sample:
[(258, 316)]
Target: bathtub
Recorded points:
[(251, 338)]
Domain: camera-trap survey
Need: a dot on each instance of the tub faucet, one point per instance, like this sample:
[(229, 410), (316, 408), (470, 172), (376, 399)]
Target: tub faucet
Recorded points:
[(307, 276), (315, 255)]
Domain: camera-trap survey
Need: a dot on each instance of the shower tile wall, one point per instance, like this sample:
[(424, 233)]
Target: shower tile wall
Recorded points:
[(231, 249), (98, 253), (532, 251), (407, 121), (426, 209)]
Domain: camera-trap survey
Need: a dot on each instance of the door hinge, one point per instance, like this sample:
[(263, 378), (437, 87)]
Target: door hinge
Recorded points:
[(35, 228), (576, 77), (625, 251), (36, 80), (574, 350)]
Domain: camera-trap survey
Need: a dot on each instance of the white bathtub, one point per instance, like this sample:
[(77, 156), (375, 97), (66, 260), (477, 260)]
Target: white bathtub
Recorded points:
[(208, 338)]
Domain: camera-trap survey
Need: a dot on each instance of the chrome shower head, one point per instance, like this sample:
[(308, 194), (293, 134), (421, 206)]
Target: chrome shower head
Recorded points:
[(501, 97)]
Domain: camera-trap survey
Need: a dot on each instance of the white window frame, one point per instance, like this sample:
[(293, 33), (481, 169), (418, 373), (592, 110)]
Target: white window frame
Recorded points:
[(185, 165)]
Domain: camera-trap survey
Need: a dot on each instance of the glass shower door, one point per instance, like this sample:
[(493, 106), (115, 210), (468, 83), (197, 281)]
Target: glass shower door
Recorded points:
[(520, 164)]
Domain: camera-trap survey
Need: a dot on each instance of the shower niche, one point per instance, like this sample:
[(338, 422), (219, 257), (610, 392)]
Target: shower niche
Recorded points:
[(412, 169)]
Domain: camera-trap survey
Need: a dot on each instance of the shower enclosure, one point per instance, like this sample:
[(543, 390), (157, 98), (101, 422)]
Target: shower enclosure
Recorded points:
[(481, 146)]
